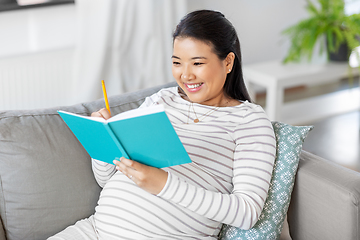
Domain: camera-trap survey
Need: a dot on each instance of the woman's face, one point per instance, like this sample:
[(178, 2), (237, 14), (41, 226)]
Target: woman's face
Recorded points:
[(199, 71)]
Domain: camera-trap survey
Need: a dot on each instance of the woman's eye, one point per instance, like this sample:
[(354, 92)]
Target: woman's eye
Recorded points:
[(176, 63), (198, 64)]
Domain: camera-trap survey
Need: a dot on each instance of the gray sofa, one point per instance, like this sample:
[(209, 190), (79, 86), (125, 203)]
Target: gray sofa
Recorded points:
[(46, 181)]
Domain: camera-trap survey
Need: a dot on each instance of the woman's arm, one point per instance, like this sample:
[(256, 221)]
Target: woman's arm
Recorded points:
[(252, 168), (254, 155), (102, 171)]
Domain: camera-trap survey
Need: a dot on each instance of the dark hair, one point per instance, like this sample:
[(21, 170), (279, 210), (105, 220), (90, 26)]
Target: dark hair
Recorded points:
[(213, 28)]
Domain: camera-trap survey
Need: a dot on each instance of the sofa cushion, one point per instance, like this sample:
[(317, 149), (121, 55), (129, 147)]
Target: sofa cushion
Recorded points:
[(46, 181), (45, 175), (289, 140)]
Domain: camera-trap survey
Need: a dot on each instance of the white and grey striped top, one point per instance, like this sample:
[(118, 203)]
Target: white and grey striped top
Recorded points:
[(233, 151)]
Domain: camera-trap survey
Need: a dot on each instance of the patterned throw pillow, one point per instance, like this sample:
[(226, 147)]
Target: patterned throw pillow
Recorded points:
[(289, 141)]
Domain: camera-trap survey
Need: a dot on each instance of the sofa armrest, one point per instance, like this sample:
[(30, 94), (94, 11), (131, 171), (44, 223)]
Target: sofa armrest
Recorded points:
[(325, 201), (2, 231)]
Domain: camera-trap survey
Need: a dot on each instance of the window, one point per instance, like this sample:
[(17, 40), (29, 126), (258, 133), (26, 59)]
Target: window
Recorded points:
[(7, 5)]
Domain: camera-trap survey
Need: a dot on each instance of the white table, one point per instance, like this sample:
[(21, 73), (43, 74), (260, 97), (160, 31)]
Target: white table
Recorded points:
[(275, 77)]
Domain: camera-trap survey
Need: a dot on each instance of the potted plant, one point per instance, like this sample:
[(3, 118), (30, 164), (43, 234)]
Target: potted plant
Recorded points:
[(328, 22)]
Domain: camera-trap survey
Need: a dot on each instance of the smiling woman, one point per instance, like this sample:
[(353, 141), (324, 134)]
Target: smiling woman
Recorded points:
[(230, 141), (200, 73), (221, 38)]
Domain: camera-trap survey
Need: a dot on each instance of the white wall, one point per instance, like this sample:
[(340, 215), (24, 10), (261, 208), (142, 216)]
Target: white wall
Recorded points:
[(352, 6), (42, 34), (37, 29), (36, 57), (258, 23)]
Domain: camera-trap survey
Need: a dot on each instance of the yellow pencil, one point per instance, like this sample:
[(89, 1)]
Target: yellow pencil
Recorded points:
[(105, 96)]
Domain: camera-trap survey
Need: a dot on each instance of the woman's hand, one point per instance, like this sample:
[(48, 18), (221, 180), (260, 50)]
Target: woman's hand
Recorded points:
[(150, 179), (103, 113)]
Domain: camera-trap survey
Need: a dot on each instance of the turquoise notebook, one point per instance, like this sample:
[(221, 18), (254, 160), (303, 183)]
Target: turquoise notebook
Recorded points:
[(144, 135)]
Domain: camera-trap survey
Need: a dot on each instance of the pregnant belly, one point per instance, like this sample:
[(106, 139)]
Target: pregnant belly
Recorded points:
[(125, 211)]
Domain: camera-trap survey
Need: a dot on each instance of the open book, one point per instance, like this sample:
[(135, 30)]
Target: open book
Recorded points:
[(144, 135)]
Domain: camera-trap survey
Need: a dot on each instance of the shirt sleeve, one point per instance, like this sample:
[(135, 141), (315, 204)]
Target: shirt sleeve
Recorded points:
[(102, 171), (254, 157), (151, 100)]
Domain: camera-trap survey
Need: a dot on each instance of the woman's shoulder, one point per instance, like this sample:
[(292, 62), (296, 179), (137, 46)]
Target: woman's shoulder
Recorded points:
[(163, 96), (251, 113), (246, 107), (165, 92), (254, 115), (170, 91)]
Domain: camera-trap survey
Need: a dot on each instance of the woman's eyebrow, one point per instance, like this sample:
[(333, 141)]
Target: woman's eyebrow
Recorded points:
[(194, 58)]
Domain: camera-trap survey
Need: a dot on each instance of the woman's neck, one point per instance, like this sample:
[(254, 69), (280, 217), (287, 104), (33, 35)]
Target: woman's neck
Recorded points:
[(224, 102)]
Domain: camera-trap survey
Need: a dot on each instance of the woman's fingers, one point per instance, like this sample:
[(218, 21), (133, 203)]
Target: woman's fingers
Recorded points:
[(126, 167), (148, 178), (103, 113)]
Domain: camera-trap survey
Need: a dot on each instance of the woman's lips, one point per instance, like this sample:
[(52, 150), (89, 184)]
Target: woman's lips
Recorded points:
[(193, 87)]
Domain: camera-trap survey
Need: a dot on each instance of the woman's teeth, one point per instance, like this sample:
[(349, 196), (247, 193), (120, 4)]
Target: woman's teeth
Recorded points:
[(194, 85)]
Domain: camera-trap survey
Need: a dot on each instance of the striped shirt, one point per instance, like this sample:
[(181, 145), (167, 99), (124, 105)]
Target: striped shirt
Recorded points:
[(232, 151)]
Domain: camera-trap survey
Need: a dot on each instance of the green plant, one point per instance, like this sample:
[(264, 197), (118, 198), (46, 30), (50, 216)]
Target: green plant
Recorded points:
[(327, 22)]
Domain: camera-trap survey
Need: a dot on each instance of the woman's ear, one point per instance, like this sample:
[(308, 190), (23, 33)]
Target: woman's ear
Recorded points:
[(229, 61)]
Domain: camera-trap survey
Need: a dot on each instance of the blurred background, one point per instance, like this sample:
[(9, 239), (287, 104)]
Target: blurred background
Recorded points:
[(56, 52)]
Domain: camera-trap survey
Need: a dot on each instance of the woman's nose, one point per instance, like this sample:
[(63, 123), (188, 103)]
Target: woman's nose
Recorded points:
[(187, 74)]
